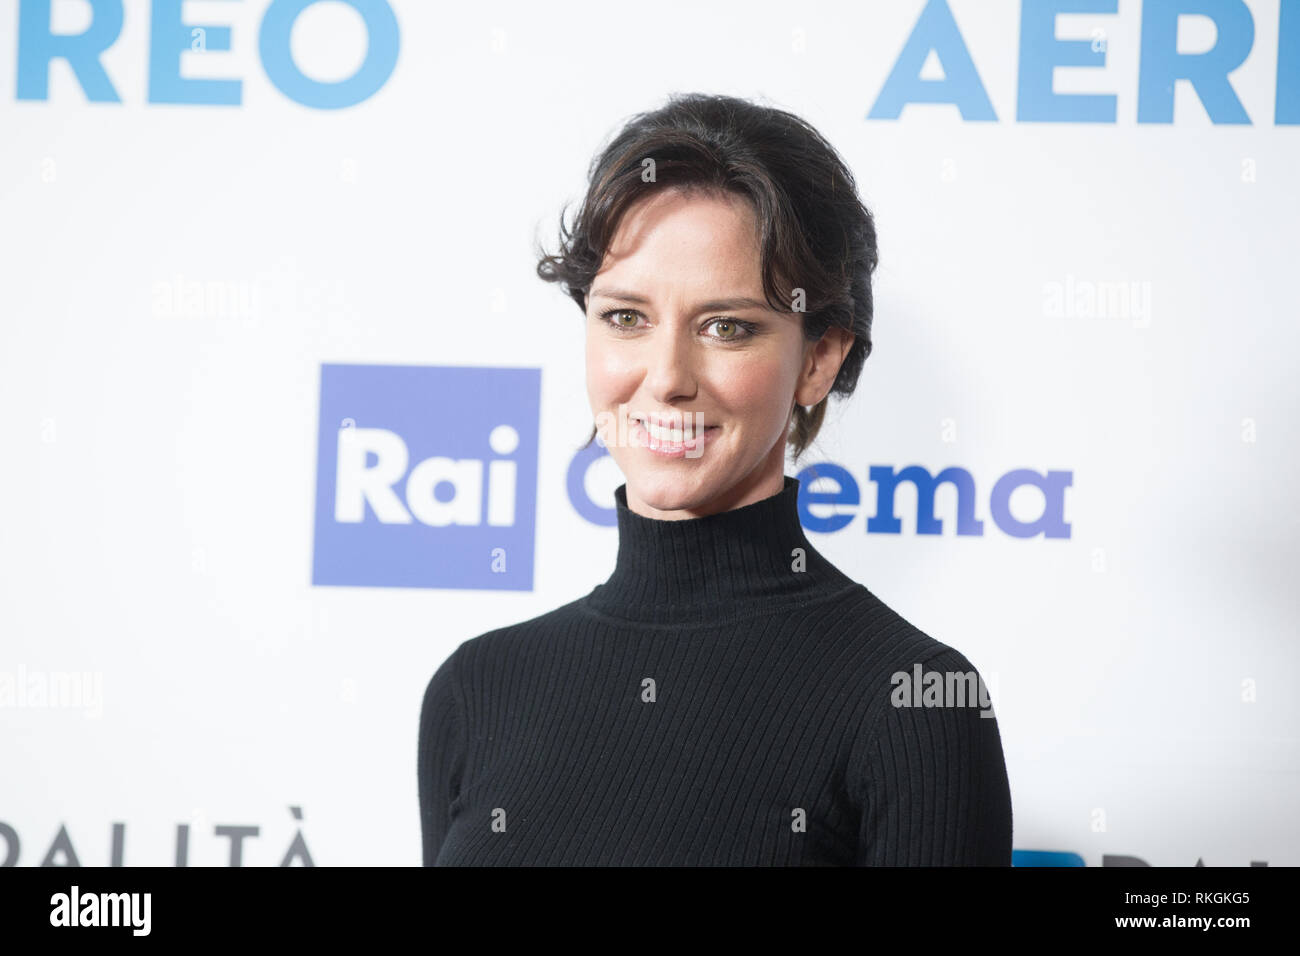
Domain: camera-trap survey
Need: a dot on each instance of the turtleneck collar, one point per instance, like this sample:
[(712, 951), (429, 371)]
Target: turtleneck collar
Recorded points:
[(717, 566)]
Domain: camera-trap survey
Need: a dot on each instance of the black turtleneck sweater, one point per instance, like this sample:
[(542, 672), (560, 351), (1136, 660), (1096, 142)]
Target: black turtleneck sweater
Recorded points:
[(726, 697)]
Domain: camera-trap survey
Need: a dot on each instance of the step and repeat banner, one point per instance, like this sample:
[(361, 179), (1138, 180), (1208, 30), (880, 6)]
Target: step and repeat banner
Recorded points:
[(276, 370)]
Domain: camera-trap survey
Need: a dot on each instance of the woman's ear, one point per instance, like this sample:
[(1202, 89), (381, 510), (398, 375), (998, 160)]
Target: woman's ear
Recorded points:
[(822, 361)]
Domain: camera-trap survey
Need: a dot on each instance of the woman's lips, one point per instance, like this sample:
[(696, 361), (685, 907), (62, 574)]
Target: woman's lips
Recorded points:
[(665, 447)]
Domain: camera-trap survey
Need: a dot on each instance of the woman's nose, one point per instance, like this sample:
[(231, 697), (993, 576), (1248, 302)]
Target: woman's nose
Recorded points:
[(670, 363)]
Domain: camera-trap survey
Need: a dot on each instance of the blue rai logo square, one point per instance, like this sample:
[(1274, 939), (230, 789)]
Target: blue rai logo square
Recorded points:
[(426, 477)]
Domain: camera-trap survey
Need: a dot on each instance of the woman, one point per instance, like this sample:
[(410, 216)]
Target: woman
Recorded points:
[(727, 696)]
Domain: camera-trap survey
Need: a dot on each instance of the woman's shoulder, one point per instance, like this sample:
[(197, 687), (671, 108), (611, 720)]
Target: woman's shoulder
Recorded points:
[(509, 638), (481, 653), (906, 689), (887, 641)]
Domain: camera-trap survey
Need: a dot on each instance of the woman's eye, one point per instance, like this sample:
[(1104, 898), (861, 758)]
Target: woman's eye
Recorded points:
[(730, 329), (613, 316)]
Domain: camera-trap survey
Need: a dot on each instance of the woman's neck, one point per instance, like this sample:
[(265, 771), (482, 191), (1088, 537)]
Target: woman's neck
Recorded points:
[(721, 565)]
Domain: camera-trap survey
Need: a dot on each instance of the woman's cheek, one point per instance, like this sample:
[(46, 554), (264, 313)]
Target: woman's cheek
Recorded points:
[(756, 384), (604, 373)]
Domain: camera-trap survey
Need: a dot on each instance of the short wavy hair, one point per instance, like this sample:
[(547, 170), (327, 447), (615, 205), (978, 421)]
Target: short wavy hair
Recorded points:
[(816, 235)]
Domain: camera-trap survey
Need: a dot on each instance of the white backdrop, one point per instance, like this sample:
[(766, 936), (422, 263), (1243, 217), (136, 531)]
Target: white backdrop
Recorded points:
[(1112, 299)]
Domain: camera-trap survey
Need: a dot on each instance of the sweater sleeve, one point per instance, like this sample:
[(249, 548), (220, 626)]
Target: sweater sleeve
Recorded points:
[(441, 755), (933, 784)]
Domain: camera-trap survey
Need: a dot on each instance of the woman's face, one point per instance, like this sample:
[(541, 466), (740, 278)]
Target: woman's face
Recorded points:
[(678, 330)]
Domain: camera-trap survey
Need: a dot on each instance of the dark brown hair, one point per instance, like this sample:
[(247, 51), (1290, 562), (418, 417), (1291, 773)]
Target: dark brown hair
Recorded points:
[(816, 236)]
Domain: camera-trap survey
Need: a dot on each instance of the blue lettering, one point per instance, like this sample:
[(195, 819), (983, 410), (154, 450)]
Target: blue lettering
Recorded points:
[(847, 494), (1162, 65), (1286, 112), (37, 46), (277, 59), (961, 85), (575, 483), (169, 36), (1041, 52), (1052, 523), (887, 481)]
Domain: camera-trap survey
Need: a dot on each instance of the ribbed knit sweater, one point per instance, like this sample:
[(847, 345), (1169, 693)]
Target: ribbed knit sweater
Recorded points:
[(726, 697)]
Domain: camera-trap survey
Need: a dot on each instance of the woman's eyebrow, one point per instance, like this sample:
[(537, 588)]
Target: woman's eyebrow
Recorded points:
[(731, 303)]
